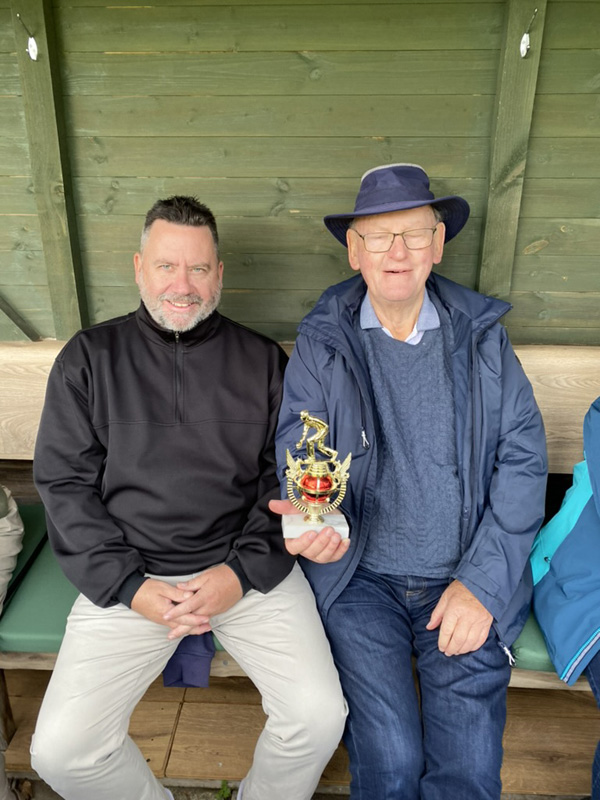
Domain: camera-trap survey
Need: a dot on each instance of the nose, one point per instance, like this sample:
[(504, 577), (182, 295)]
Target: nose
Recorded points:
[(181, 283), (398, 250)]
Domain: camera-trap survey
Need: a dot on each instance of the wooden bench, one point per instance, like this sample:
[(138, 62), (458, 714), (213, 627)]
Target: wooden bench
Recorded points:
[(565, 381)]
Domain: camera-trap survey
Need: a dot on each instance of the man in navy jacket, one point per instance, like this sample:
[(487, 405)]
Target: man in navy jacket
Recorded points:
[(417, 379)]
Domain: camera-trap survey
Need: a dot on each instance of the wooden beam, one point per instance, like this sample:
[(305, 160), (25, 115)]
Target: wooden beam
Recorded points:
[(51, 180), (16, 319), (517, 79)]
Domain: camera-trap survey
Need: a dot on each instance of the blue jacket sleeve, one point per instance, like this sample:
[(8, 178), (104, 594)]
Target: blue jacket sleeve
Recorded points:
[(513, 509)]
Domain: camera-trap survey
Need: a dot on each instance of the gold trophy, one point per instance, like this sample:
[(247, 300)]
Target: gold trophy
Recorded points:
[(315, 485)]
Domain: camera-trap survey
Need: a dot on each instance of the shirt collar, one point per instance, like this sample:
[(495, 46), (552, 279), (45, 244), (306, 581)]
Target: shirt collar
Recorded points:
[(428, 319)]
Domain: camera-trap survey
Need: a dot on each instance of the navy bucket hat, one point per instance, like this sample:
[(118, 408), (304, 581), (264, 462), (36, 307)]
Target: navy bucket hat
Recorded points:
[(397, 187)]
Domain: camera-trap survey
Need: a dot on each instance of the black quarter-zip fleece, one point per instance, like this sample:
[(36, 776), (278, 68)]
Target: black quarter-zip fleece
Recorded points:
[(155, 454)]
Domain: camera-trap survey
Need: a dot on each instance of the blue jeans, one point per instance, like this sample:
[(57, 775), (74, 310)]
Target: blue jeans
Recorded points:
[(593, 674), (445, 745)]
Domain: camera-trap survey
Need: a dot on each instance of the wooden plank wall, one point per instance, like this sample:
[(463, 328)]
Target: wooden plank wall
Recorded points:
[(270, 110), (23, 282), (556, 277)]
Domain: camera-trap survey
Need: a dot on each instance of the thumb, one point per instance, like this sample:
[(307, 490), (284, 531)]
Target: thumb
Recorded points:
[(437, 615), (283, 507)]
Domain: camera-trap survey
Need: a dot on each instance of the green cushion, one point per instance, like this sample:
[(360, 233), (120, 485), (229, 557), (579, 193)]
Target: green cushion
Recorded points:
[(530, 648), (34, 524), (35, 619)]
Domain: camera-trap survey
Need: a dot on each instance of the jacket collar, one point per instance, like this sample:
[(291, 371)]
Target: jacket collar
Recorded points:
[(200, 333), (344, 299)]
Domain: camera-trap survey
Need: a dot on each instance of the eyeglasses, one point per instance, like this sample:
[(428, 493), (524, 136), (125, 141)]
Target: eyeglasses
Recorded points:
[(417, 239)]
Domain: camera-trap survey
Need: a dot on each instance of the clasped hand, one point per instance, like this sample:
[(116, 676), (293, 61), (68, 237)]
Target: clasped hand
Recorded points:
[(187, 608)]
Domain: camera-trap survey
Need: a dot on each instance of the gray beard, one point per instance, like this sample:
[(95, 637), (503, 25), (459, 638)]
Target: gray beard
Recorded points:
[(204, 310)]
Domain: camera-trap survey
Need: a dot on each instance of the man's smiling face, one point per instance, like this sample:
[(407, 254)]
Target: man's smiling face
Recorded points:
[(179, 274), (398, 276)]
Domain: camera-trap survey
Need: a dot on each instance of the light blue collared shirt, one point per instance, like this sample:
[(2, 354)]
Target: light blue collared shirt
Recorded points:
[(428, 319)]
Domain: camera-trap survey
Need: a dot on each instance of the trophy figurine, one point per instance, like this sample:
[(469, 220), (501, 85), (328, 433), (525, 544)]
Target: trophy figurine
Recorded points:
[(315, 485)]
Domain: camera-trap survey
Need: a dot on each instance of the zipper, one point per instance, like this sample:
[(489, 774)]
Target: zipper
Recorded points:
[(476, 445), (507, 653), (178, 378)]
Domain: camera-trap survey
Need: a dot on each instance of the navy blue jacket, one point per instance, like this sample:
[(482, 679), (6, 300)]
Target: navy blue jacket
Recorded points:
[(566, 565), (500, 441)]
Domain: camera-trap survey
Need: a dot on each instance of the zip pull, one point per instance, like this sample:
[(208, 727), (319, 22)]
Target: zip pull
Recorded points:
[(365, 441), (176, 337), (509, 655)]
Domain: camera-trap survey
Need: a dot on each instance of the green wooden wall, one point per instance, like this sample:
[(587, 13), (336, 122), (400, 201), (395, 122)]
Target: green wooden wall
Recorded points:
[(269, 111)]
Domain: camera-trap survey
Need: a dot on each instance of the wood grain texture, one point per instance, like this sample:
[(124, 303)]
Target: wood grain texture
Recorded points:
[(10, 74), (549, 742), (24, 370), (49, 168), (537, 272), (265, 156), (14, 157), (542, 334), (561, 197), (565, 382), (552, 157), (12, 116), (258, 196), (199, 116), (20, 232), (16, 195), (567, 115), (184, 3), (517, 79), (306, 72), (558, 310), (22, 268), (32, 303), (566, 71), (573, 25), (215, 741), (405, 26), (7, 38), (559, 237)]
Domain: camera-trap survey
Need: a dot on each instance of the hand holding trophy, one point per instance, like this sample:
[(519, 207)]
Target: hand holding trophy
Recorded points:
[(315, 486)]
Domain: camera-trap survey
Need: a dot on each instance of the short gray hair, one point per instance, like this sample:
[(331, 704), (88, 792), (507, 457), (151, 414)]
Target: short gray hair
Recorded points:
[(181, 210)]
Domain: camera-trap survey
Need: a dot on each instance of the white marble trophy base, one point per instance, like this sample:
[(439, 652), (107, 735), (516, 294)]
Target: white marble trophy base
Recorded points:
[(294, 525)]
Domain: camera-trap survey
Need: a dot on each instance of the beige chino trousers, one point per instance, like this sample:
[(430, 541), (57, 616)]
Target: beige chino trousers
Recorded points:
[(109, 656)]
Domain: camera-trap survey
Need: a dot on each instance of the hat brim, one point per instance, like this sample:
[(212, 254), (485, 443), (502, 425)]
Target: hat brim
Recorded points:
[(455, 211)]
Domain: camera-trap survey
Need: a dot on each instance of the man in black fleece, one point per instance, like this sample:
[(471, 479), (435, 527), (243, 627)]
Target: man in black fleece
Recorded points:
[(155, 461)]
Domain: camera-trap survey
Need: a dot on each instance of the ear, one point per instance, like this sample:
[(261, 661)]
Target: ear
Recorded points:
[(220, 270), (438, 242), (352, 242), (137, 265)]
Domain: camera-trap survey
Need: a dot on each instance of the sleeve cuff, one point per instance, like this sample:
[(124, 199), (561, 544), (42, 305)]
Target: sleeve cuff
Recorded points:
[(492, 602), (128, 589), (234, 564)]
